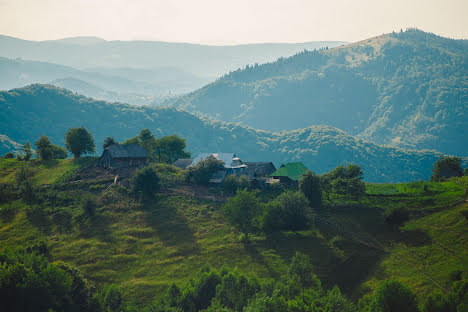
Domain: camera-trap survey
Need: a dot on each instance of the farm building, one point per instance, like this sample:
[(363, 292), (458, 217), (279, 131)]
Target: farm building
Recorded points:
[(118, 156), (290, 173), (258, 170)]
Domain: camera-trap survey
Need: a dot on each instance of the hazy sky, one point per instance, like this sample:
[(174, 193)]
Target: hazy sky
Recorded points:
[(228, 22)]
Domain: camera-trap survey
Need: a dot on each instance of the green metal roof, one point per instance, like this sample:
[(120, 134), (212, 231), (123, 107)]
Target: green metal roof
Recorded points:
[(294, 171)]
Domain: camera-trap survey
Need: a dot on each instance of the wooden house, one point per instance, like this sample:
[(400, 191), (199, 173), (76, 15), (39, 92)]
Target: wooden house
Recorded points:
[(118, 156), (259, 170)]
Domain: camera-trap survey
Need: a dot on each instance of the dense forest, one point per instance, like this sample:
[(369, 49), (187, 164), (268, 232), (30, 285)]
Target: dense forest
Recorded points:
[(406, 89), (41, 109)]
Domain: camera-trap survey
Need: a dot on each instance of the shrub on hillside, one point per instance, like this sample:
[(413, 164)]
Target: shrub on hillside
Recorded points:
[(289, 211), (344, 181), (390, 296), (29, 282), (396, 215), (241, 210), (201, 172), (446, 167), (89, 205), (145, 183), (9, 155), (311, 187)]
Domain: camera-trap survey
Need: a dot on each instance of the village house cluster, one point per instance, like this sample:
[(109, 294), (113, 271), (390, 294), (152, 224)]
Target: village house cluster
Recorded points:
[(134, 155)]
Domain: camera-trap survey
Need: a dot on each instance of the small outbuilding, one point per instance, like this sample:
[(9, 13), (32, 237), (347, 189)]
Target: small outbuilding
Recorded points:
[(120, 155), (290, 173)]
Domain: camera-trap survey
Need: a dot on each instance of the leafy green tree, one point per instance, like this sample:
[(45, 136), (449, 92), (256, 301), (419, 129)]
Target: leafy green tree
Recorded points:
[(58, 152), (391, 296), (44, 148), (236, 289), (28, 151), (201, 172), (89, 205), (446, 167), (243, 183), (145, 183), (9, 155), (325, 182), (112, 298), (241, 210), (344, 181), (29, 282), (147, 139), (302, 267), (465, 172), (170, 148), (23, 179), (173, 296), (289, 211), (108, 142), (311, 187), (268, 304), (79, 141), (230, 185)]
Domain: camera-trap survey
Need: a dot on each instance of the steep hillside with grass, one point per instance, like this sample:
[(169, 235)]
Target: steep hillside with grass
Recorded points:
[(28, 112), (145, 247), (407, 89)]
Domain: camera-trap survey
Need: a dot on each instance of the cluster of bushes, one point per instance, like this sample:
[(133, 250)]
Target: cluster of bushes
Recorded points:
[(298, 290), (29, 281), (230, 290), (289, 211), (166, 149), (344, 181)]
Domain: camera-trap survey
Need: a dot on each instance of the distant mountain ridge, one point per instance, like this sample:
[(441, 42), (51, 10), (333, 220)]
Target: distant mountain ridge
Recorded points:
[(201, 60), (407, 89), (29, 112)]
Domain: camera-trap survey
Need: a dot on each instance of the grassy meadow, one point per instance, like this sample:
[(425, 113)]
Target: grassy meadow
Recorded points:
[(143, 248)]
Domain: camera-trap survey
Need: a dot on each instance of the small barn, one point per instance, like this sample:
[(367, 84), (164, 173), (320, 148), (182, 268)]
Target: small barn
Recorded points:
[(259, 170), (118, 156), (290, 173)]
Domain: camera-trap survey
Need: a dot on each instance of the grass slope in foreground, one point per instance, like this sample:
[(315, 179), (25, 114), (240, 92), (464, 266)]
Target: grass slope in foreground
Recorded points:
[(144, 248)]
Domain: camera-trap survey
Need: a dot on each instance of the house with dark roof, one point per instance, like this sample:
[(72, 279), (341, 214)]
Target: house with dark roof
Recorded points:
[(290, 173), (259, 170), (118, 156)]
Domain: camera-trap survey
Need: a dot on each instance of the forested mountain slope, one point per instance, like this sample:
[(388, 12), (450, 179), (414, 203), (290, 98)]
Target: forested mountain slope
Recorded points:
[(29, 112), (407, 89)]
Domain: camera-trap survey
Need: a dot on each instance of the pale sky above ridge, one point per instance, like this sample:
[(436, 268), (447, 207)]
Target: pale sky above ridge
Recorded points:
[(229, 22)]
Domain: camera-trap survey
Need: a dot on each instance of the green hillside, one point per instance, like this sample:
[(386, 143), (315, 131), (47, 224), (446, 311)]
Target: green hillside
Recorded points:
[(28, 112), (406, 89), (144, 248)]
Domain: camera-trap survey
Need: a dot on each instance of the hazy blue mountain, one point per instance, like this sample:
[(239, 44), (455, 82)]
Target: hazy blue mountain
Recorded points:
[(407, 89), (200, 60), (129, 85), (29, 112), (98, 93)]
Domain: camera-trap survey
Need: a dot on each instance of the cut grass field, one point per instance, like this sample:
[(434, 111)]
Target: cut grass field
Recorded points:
[(145, 248)]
